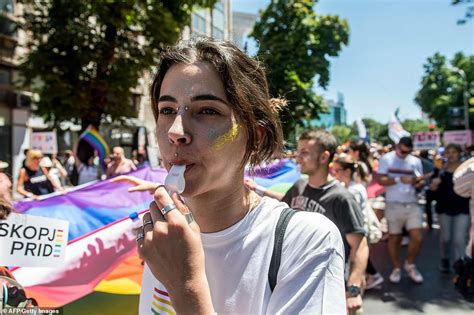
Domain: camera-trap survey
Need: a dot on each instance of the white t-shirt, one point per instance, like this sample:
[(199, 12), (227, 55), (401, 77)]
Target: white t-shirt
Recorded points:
[(390, 164), (360, 194), (310, 279)]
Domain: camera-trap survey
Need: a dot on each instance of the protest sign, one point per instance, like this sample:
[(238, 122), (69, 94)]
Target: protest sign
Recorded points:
[(45, 141), (32, 241), (426, 140), (461, 137)]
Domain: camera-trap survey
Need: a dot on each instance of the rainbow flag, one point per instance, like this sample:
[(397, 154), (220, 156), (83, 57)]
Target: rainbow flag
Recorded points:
[(93, 137)]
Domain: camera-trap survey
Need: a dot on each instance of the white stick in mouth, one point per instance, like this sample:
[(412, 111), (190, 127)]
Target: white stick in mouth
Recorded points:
[(174, 181)]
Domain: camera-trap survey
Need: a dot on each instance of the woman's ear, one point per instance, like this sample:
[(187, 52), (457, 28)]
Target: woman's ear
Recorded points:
[(261, 133)]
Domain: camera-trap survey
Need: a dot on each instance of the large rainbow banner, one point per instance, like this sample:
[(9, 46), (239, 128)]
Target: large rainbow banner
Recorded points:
[(101, 253)]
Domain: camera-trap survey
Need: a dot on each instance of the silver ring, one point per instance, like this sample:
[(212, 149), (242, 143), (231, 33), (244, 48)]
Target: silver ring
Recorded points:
[(168, 208), (189, 217), (147, 222), (140, 235)]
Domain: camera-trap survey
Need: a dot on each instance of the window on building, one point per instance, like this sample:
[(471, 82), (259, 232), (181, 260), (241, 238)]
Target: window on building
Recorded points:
[(198, 24), (218, 20), (5, 77)]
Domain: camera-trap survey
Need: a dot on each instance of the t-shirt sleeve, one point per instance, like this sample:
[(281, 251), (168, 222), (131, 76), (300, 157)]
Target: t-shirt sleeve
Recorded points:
[(311, 275), (290, 193), (350, 215), (383, 166), (419, 167)]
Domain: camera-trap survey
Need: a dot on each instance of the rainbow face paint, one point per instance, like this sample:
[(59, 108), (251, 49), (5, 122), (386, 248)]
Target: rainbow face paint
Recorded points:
[(227, 137)]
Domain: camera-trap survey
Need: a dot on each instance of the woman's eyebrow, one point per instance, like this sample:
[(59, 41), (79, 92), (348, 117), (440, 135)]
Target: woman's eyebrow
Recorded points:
[(207, 97), (167, 98)]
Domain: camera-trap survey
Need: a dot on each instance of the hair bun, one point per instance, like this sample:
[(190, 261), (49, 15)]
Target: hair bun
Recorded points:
[(277, 104)]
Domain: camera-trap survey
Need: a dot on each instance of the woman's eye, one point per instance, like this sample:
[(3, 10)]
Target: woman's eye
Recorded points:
[(166, 111), (209, 111)]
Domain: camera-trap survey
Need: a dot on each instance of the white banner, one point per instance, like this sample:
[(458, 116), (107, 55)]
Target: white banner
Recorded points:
[(426, 140), (32, 241), (45, 141)]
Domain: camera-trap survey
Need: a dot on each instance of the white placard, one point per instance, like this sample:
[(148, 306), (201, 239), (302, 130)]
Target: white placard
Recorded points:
[(426, 140), (45, 141), (32, 241)]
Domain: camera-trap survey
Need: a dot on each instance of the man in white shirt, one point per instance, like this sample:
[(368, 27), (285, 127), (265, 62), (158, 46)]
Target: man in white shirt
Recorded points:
[(401, 173)]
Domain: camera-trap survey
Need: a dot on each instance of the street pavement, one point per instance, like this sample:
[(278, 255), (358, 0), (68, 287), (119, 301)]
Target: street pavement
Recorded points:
[(436, 295)]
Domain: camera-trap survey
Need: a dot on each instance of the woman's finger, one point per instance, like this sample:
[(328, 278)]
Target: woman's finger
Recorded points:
[(184, 209), (166, 205), (155, 213), (147, 222)]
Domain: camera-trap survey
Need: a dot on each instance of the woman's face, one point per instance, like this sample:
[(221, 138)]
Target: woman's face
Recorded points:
[(340, 173), (196, 127), (452, 155)]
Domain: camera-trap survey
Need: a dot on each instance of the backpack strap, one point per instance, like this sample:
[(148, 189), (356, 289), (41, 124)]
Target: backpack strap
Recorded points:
[(280, 229)]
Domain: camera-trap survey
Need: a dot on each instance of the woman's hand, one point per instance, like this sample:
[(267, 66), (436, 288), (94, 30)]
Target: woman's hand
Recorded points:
[(173, 251), (139, 184)]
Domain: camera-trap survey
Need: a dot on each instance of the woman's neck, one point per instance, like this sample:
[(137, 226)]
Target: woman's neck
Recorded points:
[(217, 210), (451, 166)]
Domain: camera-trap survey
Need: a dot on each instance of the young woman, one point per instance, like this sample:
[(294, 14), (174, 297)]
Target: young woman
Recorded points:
[(452, 209), (350, 174), (214, 115), (359, 151), (33, 179)]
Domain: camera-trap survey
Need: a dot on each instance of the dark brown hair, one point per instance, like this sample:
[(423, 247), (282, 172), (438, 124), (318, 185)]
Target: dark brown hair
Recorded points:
[(347, 162), (324, 141), (245, 86), (5, 208)]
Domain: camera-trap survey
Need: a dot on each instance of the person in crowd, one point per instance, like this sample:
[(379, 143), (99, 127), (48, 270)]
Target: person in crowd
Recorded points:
[(345, 169), (321, 193), (428, 171), (6, 208), (5, 183), (214, 115), (463, 179), (34, 180), (88, 171), (452, 209), (401, 173), (360, 152), (120, 164), (56, 171)]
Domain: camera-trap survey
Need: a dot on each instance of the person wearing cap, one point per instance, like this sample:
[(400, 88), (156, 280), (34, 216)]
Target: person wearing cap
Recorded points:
[(34, 180), (5, 183)]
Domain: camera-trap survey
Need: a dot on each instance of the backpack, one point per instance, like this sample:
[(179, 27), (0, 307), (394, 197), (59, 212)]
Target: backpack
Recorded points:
[(13, 297)]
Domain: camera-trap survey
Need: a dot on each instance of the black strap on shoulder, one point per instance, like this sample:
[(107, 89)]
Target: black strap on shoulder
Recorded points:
[(280, 229)]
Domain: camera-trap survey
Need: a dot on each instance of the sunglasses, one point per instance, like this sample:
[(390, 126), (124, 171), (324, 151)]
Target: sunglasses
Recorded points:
[(37, 158), (403, 152)]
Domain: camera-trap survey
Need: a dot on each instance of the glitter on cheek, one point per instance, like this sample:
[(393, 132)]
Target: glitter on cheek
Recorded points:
[(227, 137)]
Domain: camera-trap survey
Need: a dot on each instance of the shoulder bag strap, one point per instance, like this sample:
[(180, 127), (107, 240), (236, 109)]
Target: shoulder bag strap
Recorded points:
[(280, 229)]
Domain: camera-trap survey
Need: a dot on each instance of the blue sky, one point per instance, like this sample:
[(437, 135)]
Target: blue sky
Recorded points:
[(389, 42)]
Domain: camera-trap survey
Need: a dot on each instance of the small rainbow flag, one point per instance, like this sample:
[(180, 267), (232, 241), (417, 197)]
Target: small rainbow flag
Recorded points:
[(93, 137)]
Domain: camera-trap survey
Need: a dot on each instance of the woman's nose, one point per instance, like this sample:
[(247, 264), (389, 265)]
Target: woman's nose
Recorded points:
[(177, 134)]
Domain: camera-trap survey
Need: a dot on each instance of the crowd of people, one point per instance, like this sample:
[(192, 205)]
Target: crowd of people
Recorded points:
[(212, 249), (44, 174)]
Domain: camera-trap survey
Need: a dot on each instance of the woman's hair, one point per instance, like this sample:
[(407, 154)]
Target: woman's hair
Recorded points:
[(364, 152), (5, 208), (453, 146), (246, 88), (347, 162), (32, 154)]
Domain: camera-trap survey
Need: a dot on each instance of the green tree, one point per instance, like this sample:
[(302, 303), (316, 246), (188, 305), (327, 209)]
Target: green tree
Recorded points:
[(86, 55), (295, 44), (442, 87), (342, 133), (469, 14), (415, 125)]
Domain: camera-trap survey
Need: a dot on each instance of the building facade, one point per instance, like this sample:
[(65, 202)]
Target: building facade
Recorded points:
[(336, 115), (242, 26)]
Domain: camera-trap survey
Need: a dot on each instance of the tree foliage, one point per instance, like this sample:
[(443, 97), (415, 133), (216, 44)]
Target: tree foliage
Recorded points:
[(442, 87), (342, 133), (86, 55), (469, 14), (295, 44)]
